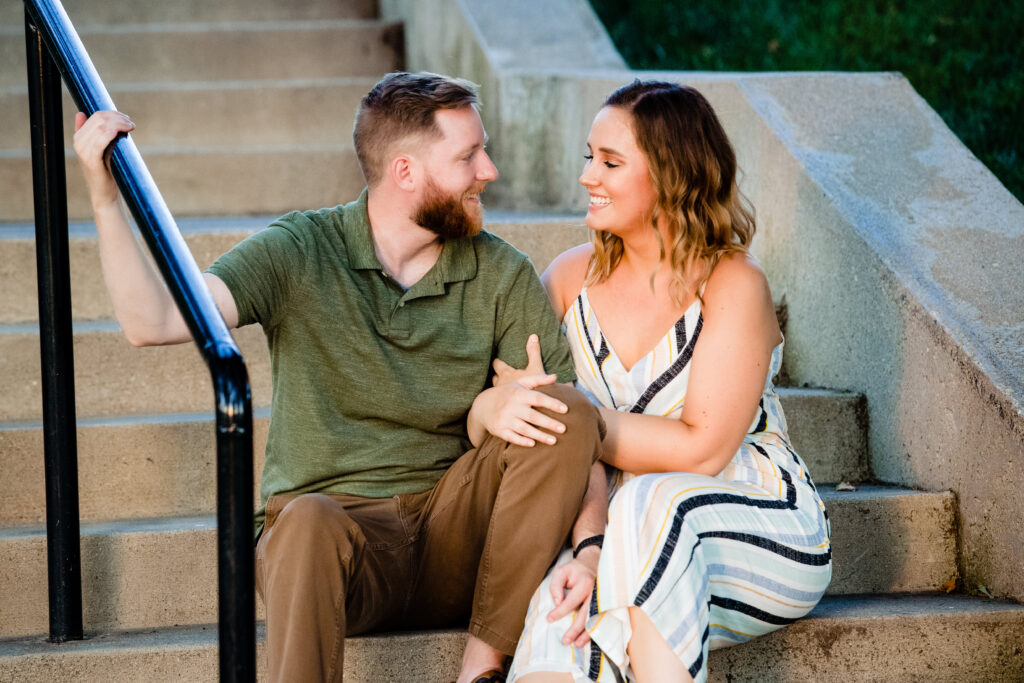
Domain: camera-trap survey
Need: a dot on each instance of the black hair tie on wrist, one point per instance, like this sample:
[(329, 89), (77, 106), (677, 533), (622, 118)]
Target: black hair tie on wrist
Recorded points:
[(593, 540)]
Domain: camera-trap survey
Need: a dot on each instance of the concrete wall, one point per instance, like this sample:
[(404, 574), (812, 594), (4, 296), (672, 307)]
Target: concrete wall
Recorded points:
[(898, 253)]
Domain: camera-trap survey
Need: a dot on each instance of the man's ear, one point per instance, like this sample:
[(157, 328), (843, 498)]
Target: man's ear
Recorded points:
[(404, 171)]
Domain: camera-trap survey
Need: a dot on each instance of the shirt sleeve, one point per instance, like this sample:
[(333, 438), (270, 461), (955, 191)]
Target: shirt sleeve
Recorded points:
[(264, 269), (528, 311)]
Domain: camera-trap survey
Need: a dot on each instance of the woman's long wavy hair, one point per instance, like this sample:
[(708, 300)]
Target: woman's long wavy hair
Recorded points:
[(693, 170)]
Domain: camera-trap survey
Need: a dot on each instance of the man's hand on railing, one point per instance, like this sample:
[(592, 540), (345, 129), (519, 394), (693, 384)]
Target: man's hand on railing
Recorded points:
[(142, 304), (93, 138)]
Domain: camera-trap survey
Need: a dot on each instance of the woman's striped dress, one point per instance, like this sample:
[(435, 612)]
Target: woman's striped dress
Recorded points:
[(713, 561)]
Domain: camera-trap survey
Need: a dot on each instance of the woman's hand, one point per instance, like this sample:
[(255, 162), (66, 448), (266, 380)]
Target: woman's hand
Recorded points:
[(572, 584), (92, 142), (506, 374), (510, 412)]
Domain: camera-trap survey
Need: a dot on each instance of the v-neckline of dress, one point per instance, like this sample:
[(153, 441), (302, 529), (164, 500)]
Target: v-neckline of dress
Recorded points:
[(585, 297)]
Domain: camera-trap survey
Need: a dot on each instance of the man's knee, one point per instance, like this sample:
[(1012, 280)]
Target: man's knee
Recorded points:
[(583, 422), (312, 523)]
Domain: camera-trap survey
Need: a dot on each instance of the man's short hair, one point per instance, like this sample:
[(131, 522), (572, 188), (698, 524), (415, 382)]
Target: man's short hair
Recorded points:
[(402, 105)]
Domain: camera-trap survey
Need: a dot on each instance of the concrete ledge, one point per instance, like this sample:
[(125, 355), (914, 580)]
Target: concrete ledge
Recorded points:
[(946, 639), (141, 573)]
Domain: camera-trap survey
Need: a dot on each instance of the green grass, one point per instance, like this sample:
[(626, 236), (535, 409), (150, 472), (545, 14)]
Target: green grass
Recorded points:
[(965, 57)]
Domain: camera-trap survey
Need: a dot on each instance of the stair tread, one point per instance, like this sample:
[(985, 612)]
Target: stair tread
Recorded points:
[(231, 26), (164, 417), (174, 524), (847, 608)]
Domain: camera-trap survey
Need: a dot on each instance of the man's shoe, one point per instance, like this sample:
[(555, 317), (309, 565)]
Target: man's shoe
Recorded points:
[(492, 676)]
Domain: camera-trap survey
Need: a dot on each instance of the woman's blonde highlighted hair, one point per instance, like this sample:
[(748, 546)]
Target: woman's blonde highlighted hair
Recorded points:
[(693, 170)]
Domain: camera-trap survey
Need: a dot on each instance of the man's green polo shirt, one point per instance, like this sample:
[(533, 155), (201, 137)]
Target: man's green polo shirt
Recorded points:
[(371, 382)]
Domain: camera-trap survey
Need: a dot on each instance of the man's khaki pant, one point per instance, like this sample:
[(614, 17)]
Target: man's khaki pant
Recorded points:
[(476, 545)]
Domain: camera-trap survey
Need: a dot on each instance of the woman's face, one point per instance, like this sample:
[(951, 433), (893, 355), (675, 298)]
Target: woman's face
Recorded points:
[(622, 196)]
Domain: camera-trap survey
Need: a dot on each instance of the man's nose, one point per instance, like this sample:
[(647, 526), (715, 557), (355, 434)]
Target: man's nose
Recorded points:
[(487, 171)]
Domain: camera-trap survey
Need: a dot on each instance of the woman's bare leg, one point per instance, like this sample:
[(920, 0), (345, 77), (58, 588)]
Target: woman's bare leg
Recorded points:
[(545, 677), (653, 661)]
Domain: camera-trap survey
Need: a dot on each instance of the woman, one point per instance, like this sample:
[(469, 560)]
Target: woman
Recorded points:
[(715, 532)]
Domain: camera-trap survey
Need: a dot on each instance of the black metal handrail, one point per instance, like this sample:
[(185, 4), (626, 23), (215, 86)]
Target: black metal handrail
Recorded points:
[(54, 46)]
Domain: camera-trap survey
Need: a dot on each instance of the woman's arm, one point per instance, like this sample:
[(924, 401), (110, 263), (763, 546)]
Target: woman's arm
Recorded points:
[(572, 583), (727, 375)]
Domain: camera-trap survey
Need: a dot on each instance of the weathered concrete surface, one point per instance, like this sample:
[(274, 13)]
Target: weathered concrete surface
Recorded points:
[(898, 252), (946, 640), (160, 572)]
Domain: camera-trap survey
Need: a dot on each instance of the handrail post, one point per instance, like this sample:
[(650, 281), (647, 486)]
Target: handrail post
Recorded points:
[(55, 338), (235, 568)]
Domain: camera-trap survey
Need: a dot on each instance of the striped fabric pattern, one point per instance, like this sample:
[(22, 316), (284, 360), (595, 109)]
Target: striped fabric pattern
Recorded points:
[(713, 561)]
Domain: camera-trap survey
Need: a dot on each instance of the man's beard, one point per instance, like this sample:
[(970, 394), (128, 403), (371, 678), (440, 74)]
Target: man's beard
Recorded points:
[(446, 215)]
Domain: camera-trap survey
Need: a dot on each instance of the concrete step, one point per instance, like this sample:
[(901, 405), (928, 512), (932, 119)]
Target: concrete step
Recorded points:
[(128, 467), (162, 572), (197, 181), (215, 113), (542, 237), (86, 13), (941, 639), (114, 378), (225, 51), (164, 465)]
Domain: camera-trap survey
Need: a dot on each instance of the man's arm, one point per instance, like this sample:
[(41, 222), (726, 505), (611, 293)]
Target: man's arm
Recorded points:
[(142, 304)]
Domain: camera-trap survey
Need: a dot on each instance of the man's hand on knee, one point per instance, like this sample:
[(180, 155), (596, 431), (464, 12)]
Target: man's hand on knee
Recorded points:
[(513, 412)]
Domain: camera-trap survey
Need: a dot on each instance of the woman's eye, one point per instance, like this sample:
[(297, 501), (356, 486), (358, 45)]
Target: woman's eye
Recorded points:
[(588, 157), (611, 165)]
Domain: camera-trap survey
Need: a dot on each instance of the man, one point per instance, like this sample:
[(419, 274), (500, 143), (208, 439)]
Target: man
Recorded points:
[(399, 490)]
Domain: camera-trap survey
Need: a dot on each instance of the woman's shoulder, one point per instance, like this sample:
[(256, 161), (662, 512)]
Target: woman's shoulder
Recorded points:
[(738, 283), (564, 277)]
